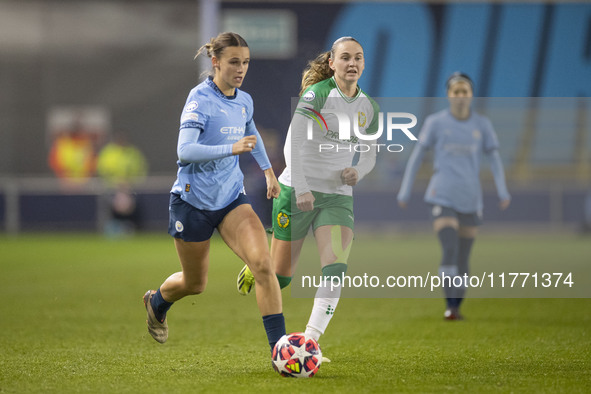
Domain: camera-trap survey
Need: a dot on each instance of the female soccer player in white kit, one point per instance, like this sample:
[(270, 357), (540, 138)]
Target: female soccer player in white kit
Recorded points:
[(458, 137), (216, 126), (320, 181)]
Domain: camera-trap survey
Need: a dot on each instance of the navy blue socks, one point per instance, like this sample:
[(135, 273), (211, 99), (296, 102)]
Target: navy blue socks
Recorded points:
[(448, 238), (160, 306), (455, 261), (464, 250), (275, 328)]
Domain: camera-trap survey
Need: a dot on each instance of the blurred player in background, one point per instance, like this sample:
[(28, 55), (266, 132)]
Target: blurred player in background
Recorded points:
[(320, 183), (216, 126), (458, 137), (121, 165)]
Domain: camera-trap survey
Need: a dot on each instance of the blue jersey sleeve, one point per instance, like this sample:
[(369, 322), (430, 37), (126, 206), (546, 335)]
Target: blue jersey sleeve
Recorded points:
[(410, 172), (190, 151), (490, 141), (496, 167), (427, 134), (259, 152), (195, 112)]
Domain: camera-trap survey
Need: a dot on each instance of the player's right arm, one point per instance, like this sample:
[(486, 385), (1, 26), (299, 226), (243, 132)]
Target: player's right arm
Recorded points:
[(414, 162), (190, 151), (304, 197), (412, 167), (298, 133), (193, 123)]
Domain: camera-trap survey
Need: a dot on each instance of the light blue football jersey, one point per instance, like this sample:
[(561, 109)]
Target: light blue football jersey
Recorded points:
[(458, 146), (223, 120)]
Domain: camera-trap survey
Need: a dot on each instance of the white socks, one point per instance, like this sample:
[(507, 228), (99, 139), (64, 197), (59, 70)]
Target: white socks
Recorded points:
[(325, 303)]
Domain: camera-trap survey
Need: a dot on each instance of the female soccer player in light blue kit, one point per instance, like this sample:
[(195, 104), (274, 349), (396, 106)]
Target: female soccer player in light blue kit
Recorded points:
[(216, 126), (458, 137)]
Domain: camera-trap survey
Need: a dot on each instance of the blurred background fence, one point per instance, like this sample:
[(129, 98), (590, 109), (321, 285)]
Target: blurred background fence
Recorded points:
[(76, 76)]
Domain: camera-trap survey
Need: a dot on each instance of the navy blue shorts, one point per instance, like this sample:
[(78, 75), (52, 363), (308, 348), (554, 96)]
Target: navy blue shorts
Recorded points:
[(465, 219), (196, 225)]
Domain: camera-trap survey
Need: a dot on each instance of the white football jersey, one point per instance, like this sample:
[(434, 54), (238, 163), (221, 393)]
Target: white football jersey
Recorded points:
[(315, 155)]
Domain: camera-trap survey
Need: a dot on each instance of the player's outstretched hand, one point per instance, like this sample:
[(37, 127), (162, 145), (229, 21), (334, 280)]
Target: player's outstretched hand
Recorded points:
[(245, 144), (305, 202), (504, 204), (350, 176)]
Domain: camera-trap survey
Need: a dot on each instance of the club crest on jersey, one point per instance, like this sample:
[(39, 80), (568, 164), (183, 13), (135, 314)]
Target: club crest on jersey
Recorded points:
[(192, 106), (361, 118), (476, 134), (244, 112), (282, 220)]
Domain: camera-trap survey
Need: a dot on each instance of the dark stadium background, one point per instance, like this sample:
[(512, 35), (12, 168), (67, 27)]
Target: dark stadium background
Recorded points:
[(135, 61)]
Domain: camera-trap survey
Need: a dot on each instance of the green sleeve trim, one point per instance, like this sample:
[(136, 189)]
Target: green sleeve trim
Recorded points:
[(373, 126)]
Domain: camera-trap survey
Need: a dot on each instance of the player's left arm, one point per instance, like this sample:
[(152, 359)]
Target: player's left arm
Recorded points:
[(496, 166), (491, 150), (367, 160)]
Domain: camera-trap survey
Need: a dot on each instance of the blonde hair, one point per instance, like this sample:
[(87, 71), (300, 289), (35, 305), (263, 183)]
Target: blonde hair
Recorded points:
[(318, 69), (216, 45)]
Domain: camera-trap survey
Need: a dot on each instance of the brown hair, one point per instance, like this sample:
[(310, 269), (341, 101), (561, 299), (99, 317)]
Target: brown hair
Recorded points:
[(216, 45), (318, 69)]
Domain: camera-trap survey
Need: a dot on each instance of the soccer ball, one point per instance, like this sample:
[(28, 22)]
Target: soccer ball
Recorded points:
[(296, 355)]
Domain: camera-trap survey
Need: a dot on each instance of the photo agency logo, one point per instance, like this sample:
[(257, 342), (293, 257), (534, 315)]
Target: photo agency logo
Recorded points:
[(361, 140)]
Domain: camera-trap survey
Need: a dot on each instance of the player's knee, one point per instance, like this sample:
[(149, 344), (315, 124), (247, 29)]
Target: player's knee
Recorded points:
[(261, 268)]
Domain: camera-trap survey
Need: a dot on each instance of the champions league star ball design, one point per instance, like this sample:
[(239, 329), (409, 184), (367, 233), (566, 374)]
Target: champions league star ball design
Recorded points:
[(296, 355)]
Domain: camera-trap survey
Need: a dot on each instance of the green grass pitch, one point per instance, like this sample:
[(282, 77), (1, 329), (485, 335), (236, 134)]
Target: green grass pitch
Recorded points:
[(72, 320)]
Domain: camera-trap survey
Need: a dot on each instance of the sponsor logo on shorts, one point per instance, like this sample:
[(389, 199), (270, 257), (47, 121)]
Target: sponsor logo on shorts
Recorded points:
[(282, 220), (179, 226), (436, 211)]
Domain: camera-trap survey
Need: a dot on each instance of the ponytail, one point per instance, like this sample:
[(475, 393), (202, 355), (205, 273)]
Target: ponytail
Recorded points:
[(316, 71)]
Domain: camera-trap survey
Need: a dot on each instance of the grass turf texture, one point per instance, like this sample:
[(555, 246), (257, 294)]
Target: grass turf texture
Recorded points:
[(72, 320)]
